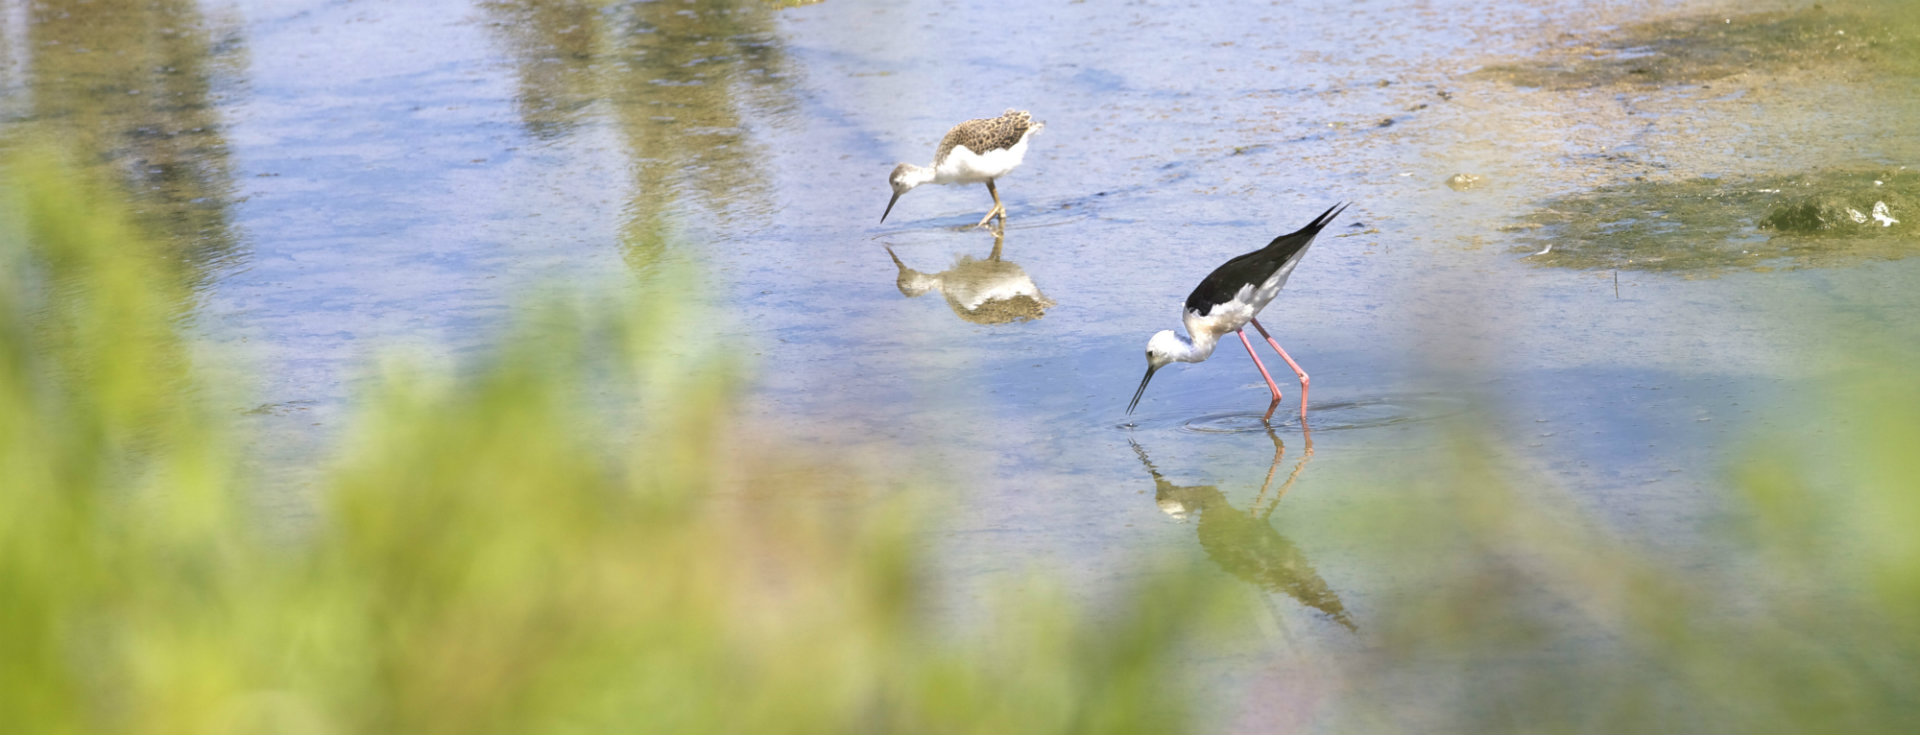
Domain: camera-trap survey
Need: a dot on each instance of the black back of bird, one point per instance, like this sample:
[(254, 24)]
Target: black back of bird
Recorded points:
[(1253, 269)]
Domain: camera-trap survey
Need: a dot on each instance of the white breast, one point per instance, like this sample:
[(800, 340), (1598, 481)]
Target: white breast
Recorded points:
[(963, 166)]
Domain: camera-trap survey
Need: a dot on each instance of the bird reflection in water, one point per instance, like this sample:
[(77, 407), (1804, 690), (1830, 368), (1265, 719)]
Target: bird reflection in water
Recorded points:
[(1243, 542), (991, 291)]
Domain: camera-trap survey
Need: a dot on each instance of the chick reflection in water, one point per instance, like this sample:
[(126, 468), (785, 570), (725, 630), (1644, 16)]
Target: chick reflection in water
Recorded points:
[(991, 291), (1243, 542)]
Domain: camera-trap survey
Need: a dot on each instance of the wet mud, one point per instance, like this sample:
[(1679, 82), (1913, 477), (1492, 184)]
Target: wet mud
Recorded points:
[(1703, 48), (1702, 225)]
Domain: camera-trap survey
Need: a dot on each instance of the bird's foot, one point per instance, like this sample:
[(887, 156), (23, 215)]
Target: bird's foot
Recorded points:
[(997, 211)]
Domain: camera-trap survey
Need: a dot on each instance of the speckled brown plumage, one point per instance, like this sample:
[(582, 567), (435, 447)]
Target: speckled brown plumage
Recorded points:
[(986, 134)]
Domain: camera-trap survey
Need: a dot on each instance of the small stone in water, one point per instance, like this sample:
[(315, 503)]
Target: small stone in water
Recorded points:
[(1463, 182)]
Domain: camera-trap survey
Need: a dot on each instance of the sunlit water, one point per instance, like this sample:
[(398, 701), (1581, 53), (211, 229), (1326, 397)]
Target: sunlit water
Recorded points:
[(355, 180)]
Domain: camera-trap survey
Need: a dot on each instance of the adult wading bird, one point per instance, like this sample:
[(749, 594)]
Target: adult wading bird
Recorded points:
[(973, 152), (1228, 299)]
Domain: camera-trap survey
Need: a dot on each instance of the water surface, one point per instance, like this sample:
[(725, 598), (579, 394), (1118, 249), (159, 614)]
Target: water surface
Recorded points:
[(352, 180)]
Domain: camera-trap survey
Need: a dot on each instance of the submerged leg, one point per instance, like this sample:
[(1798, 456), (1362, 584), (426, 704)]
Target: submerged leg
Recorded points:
[(1290, 363), (998, 210), (1257, 363)]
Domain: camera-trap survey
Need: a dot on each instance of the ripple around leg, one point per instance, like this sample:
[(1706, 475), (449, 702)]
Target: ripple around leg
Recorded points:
[(1363, 413)]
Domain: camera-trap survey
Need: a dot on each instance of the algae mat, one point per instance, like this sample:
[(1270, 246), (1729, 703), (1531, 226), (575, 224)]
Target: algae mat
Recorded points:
[(1703, 225)]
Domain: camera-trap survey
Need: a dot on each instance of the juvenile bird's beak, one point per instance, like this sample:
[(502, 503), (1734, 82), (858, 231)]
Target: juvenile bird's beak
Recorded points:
[(883, 215), (1143, 388)]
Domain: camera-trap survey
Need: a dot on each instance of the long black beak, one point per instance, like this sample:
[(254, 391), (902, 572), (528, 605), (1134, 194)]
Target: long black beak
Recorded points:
[(883, 215), (1143, 389)]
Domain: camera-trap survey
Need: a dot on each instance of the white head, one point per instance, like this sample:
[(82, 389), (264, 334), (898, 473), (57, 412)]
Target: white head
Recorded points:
[(1163, 348), (904, 177)]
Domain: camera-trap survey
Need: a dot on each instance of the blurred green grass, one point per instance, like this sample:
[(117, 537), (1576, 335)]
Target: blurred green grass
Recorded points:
[(571, 536), (1795, 611), (497, 552)]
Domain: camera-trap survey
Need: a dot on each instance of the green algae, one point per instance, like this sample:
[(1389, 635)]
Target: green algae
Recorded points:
[(1704, 225), (1704, 48)]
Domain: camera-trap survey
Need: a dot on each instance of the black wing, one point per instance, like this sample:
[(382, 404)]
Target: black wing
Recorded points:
[(1256, 267)]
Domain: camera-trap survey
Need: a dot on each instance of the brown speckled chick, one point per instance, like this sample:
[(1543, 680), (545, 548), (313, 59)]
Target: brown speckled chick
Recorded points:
[(975, 151)]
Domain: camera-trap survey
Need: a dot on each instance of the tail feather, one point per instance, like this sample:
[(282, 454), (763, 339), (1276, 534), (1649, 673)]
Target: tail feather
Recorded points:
[(1313, 228)]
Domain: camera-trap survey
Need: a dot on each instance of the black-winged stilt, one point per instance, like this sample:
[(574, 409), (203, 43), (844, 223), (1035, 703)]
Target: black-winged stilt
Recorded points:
[(1228, 299), (973, 152)]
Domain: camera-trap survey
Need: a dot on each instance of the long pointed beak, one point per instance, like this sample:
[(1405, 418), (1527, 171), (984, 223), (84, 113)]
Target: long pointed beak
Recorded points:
[(1142, 391), (883, 215)]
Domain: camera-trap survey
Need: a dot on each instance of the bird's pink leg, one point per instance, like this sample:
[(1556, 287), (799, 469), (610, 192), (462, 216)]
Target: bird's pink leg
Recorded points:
[(1256, 363), (1290, 363)]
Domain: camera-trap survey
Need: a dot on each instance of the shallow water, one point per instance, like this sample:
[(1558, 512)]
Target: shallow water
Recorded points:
[(351, 180)]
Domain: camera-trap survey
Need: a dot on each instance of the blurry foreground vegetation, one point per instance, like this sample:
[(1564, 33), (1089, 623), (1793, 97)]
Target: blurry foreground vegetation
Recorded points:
[(495, 556), (500, 552), (1798, 610)]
